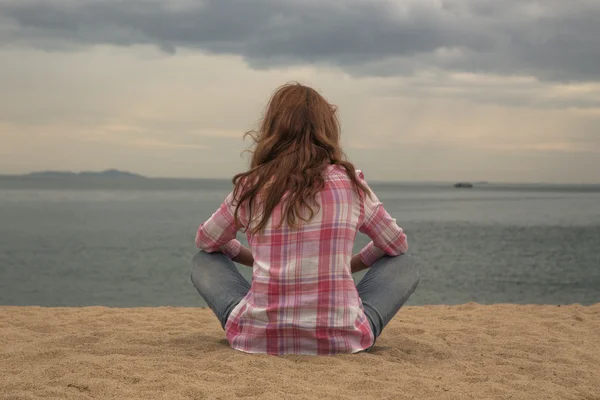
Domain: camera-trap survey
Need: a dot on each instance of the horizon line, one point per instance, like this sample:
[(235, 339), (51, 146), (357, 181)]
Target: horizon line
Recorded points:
[(474, 182)]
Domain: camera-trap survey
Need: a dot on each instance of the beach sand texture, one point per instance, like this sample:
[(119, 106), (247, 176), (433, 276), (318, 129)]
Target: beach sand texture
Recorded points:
[(469, 351)]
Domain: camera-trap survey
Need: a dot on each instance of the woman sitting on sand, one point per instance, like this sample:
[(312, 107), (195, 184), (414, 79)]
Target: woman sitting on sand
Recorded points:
[(301, 204)]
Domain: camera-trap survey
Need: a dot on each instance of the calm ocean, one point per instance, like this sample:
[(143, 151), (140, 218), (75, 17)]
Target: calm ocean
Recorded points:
[(122, 242)]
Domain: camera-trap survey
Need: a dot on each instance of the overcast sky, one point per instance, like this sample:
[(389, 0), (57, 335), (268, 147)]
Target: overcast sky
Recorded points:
[(427, 89)]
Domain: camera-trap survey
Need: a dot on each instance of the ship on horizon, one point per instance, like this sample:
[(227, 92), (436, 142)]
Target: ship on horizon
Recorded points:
[(463, 185)]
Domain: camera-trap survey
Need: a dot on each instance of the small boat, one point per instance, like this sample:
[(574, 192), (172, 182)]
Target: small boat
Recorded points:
[(463, 185)]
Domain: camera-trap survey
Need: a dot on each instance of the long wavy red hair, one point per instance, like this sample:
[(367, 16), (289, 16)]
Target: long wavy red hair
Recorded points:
[(298, 137)]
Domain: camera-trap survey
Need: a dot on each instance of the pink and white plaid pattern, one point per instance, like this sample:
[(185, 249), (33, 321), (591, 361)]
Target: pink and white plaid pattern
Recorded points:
[(302, 298)]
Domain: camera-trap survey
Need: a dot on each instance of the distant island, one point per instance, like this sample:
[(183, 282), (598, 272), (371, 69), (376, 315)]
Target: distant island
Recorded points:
[(109, 173)]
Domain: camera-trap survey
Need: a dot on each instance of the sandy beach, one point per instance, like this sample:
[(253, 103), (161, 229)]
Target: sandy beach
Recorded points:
[(442, 352)]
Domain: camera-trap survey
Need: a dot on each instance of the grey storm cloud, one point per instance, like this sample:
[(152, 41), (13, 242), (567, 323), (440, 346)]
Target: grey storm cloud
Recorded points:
[(557, 40)]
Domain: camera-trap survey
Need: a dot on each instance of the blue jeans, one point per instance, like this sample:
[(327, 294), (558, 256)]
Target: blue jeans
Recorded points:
[(383, 290)]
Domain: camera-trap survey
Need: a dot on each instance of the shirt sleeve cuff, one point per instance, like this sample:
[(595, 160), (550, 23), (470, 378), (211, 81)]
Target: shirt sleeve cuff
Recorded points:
[(370, 254), (231, 248)]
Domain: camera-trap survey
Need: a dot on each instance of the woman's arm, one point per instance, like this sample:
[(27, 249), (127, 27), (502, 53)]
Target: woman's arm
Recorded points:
[(387, 238), (218, 233), (357, 264), (244, 257)]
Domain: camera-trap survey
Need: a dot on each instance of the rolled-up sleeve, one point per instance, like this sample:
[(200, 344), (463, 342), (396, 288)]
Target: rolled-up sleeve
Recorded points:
[(387, 238), (218, 233)]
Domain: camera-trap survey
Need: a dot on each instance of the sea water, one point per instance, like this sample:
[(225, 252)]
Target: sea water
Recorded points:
[(129, 242)]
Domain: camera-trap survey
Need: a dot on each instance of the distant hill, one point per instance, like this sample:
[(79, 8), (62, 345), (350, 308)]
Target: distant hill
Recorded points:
[(109, 173)]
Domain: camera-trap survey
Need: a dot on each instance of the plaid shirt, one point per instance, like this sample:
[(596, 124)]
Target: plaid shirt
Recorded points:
[(303, 299)]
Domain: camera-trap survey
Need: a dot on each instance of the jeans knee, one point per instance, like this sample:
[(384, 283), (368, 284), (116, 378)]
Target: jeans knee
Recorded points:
[(203, 268), (196, 272), (203, 258), (194, 275), (199, 258), (411, 268)]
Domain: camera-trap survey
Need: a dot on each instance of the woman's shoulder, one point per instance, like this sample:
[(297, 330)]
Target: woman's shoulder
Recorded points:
[(335, 170), (337, 177)]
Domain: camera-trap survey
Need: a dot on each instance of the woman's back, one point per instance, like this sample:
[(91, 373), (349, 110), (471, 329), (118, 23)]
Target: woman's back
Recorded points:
[(300, 204), (303, 299)]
